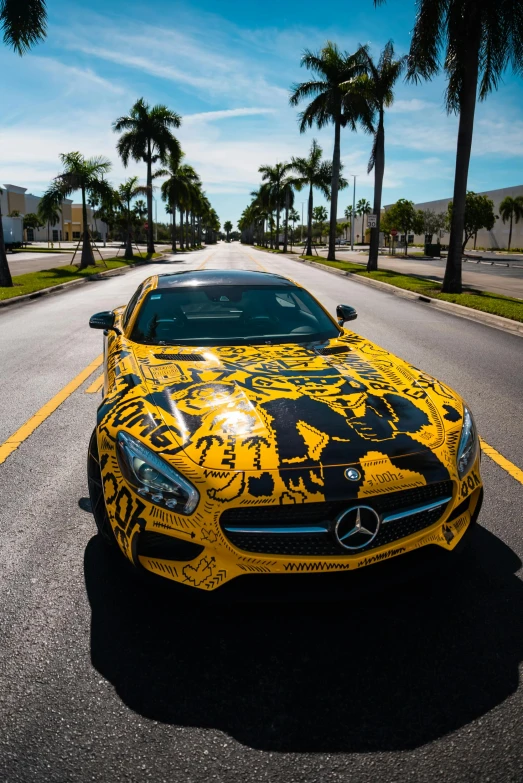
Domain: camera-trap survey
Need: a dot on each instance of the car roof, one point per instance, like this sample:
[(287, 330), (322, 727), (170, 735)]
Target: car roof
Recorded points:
[(197, 277)]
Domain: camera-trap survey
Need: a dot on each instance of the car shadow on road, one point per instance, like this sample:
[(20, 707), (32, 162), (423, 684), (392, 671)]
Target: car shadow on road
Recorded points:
[(391, 671)]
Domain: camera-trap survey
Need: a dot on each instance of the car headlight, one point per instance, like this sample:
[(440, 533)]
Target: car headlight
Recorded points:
[(153, 477), (468, 444)]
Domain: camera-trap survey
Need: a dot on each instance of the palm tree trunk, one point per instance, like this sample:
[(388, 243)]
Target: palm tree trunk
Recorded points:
[(173, 244), (452, 279), (87, 258), (129, 244), (150, 227), (308, 251), (278, 219), (193, 230), (286, 233), (510, 232), (181, 229), (334, 190), (6, 281)]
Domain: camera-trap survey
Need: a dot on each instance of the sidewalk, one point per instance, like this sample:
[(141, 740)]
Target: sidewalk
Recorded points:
[(506, 280)]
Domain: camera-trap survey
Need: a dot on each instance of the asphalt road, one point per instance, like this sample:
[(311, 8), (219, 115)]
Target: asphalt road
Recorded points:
[(104, 678)]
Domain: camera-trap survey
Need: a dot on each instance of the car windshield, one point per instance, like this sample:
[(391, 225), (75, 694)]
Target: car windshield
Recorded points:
[(225, 315)]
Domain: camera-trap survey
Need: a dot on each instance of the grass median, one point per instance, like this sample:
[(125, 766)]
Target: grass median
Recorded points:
[(32, 282), (486, 301)]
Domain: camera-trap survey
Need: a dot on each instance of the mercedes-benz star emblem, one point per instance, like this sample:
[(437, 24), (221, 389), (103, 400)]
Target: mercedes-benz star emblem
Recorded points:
[(357, 527), (352, 474)]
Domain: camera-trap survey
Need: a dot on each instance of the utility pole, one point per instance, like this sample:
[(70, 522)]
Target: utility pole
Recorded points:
[(353, 213)]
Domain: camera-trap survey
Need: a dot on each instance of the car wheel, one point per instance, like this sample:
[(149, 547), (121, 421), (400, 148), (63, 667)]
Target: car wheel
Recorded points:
[(96, 494)]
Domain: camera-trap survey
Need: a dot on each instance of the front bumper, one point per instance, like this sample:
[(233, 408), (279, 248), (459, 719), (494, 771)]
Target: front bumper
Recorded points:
[(204, 557)]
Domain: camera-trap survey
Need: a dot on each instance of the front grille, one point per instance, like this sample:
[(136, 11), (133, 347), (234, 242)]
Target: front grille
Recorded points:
[(310, 514), (180, 357), (151, 544)]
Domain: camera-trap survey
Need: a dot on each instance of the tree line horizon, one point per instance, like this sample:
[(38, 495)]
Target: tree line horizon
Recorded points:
[(473, 42)]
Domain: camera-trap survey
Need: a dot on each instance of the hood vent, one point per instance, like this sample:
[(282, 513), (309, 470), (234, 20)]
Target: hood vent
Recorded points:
[(180, 357), (334, 350)]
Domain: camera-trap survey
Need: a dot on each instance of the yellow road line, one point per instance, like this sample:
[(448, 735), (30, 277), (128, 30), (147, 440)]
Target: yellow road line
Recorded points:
[(46, 410), (504, 463), (205, 261), (96, 385), (263, 268)]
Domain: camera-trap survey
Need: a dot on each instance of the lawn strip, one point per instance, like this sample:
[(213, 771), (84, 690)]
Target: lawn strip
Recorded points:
[(486, 301), (32, 282)]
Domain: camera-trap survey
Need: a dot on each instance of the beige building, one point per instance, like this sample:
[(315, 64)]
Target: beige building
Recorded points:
[(70, 226), (496, 239)]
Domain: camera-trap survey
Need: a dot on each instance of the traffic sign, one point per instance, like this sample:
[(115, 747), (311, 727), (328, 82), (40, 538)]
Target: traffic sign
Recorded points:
[(394, 232), (372, 221)]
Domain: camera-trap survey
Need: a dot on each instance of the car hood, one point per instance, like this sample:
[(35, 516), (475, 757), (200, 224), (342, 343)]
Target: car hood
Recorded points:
[(292, 406)]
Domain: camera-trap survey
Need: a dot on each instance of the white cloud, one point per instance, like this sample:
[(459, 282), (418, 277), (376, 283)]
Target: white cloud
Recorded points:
[(224, 114), (413, 104), (75, 79), (177, 56)]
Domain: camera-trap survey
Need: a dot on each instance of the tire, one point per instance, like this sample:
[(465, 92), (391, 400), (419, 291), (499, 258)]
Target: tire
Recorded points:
[(96, 494)]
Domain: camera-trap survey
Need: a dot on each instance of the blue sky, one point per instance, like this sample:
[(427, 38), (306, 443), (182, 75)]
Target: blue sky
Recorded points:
[(227, 69)]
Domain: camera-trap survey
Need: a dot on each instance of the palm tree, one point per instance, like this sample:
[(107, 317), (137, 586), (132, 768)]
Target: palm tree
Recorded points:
[(49, 211), (87, 176), (187, 199), (363, 208), (174, 190), (274, 176), (23, 26), (147, 136), (378, 84), (511, 209), (476, 40), (334, 101), (140, 210), (312, 172), (227, 226), (94, 202), (294, 216), (287, 194), (127, 192), (320, 215)]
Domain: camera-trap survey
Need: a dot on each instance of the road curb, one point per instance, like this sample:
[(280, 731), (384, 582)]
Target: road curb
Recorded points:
[(80, 281), (487, 319)]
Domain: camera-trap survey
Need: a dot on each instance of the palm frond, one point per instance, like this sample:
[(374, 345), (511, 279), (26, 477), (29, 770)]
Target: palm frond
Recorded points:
[(305, 90), (372, 159), (24, 23), (427, 39), (317, 113)]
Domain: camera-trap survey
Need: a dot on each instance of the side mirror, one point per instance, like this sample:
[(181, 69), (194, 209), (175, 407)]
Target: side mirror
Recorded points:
[(345, 313), (104, 320)]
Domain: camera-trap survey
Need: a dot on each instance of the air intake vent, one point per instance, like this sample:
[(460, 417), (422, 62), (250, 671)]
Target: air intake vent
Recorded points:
[(180, 357), (334, 350)]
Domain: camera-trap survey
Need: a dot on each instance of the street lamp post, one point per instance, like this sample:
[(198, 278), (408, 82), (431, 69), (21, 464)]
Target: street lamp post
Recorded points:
[(301, 232), (353, 212)]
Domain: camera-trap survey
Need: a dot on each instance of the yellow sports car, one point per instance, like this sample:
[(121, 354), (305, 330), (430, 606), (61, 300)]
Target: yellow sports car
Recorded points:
[(243, 430)]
